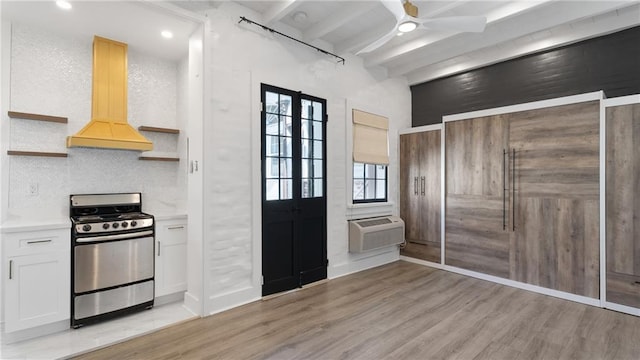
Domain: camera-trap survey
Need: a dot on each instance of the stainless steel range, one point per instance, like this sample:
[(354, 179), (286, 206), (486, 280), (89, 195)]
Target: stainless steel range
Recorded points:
[(112, 256)]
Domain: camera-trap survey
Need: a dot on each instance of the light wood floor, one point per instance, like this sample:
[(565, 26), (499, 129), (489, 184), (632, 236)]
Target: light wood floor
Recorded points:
[(397, 311)]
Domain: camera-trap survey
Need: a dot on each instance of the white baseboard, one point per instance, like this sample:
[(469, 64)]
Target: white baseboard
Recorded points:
[(622, 308), (21, 335), (361, 264), (220, 303), (421, 262), (169, 298), (192, 303)]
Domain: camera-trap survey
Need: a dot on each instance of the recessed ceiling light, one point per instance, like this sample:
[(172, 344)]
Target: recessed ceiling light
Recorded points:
[(300, 16), (166, 34), (407, 26), (63, 4)]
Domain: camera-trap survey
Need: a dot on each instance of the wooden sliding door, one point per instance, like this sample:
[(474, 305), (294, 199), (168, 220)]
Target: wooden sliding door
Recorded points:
[(476, 229), (623, 204), (420, 190), (555, 232)]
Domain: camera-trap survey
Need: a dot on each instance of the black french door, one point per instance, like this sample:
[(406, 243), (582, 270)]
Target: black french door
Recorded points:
[(294, 226)]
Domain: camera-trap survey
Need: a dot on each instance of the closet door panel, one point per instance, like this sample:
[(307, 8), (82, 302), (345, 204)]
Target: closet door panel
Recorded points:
[(623, 204), (410, 184), (476, 235), (430, 194), (556, 198)]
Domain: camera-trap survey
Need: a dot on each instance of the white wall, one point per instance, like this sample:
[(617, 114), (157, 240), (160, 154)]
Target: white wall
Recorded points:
[(51, 74), (240, 58)]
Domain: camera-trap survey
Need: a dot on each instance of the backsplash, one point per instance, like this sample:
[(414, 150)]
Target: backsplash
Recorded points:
[(51, 75)]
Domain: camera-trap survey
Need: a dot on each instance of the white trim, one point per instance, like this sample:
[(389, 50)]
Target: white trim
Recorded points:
[(349, 106), (622, 308), (622, 100), (224, 302), (517, 284), (421, 262), (420, 129), (597, 95), (443, 193), (603, 214), (361, 262)]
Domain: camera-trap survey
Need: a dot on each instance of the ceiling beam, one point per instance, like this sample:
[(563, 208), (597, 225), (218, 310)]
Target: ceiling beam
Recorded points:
[(336, 20), (560, 35), (504, 12), (279, 10), (520, 30)]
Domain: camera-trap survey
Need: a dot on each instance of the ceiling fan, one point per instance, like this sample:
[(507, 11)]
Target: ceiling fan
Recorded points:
[(407, 20)]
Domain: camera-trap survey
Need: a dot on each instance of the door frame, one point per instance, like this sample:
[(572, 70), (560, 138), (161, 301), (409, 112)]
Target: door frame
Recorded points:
[(259, 184)]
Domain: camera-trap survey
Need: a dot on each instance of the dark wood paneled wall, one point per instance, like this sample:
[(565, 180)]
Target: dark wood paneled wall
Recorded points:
[(609, 63)]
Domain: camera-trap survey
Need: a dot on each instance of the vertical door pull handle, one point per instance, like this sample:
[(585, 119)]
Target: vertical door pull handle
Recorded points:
[(415, 185), (504, 189), (10, 269), (158, 248), (196, 166), (422, 185), (513, 190)]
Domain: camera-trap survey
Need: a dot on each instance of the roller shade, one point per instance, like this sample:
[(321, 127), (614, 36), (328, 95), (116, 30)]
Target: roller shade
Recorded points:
[(370, 140)]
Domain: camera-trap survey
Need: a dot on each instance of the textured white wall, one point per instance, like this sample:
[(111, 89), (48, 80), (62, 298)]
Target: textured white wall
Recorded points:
[(51, 75), (240, 58)]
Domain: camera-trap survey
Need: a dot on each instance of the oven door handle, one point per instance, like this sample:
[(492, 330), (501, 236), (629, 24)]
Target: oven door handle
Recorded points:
[(114, 236)]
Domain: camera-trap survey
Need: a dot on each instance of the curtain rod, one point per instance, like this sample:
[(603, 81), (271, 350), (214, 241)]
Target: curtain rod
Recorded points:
[(340, 59)]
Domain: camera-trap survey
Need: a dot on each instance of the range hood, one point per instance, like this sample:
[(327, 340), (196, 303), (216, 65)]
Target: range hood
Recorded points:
[(108, 127)]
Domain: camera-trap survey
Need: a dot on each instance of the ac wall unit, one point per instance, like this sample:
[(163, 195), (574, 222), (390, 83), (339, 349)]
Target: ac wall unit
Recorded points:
[(375, 233)]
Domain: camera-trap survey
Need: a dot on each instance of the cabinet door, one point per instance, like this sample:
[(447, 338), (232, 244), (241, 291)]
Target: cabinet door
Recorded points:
[(623, 205), (410, 185), (476, 211), (37, 290), (555, 241), (171, 259), (430, 191)]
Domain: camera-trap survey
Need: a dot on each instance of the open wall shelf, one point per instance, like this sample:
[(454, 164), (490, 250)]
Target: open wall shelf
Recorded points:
[(159, 129), (39, 117), (36, 153), (158, 158)]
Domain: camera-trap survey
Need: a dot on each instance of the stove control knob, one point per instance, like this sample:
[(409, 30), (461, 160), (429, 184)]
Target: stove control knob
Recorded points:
[(86, 227), (133, 223), (125, 224), (105, 226), (115, 225)]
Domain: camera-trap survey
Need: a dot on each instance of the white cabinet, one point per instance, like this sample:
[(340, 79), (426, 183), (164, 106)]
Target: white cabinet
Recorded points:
[(37, 278), (171, 256)]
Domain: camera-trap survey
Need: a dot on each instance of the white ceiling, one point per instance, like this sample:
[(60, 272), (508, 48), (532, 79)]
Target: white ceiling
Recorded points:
[(514, 28), (138, 24), (344, 27)]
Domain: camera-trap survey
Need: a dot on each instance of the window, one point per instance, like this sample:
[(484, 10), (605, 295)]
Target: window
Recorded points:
[(369, 183), (370, 157)]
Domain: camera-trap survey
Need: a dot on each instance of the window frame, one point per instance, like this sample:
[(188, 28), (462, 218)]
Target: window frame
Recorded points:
[(375, 180)]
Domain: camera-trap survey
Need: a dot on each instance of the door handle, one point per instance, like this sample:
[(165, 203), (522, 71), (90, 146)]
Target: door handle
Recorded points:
[(513, 190), (158, 248), (10, 269), (422, 185), (415, 185), (175, 227), (504, 189), (38, 241)]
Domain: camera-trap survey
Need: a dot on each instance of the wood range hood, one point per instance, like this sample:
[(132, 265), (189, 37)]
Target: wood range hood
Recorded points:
[(108, 127)]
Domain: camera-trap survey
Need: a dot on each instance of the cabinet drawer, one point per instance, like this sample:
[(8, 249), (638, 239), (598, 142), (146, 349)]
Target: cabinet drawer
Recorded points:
[(36, 242), (623, 289)]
